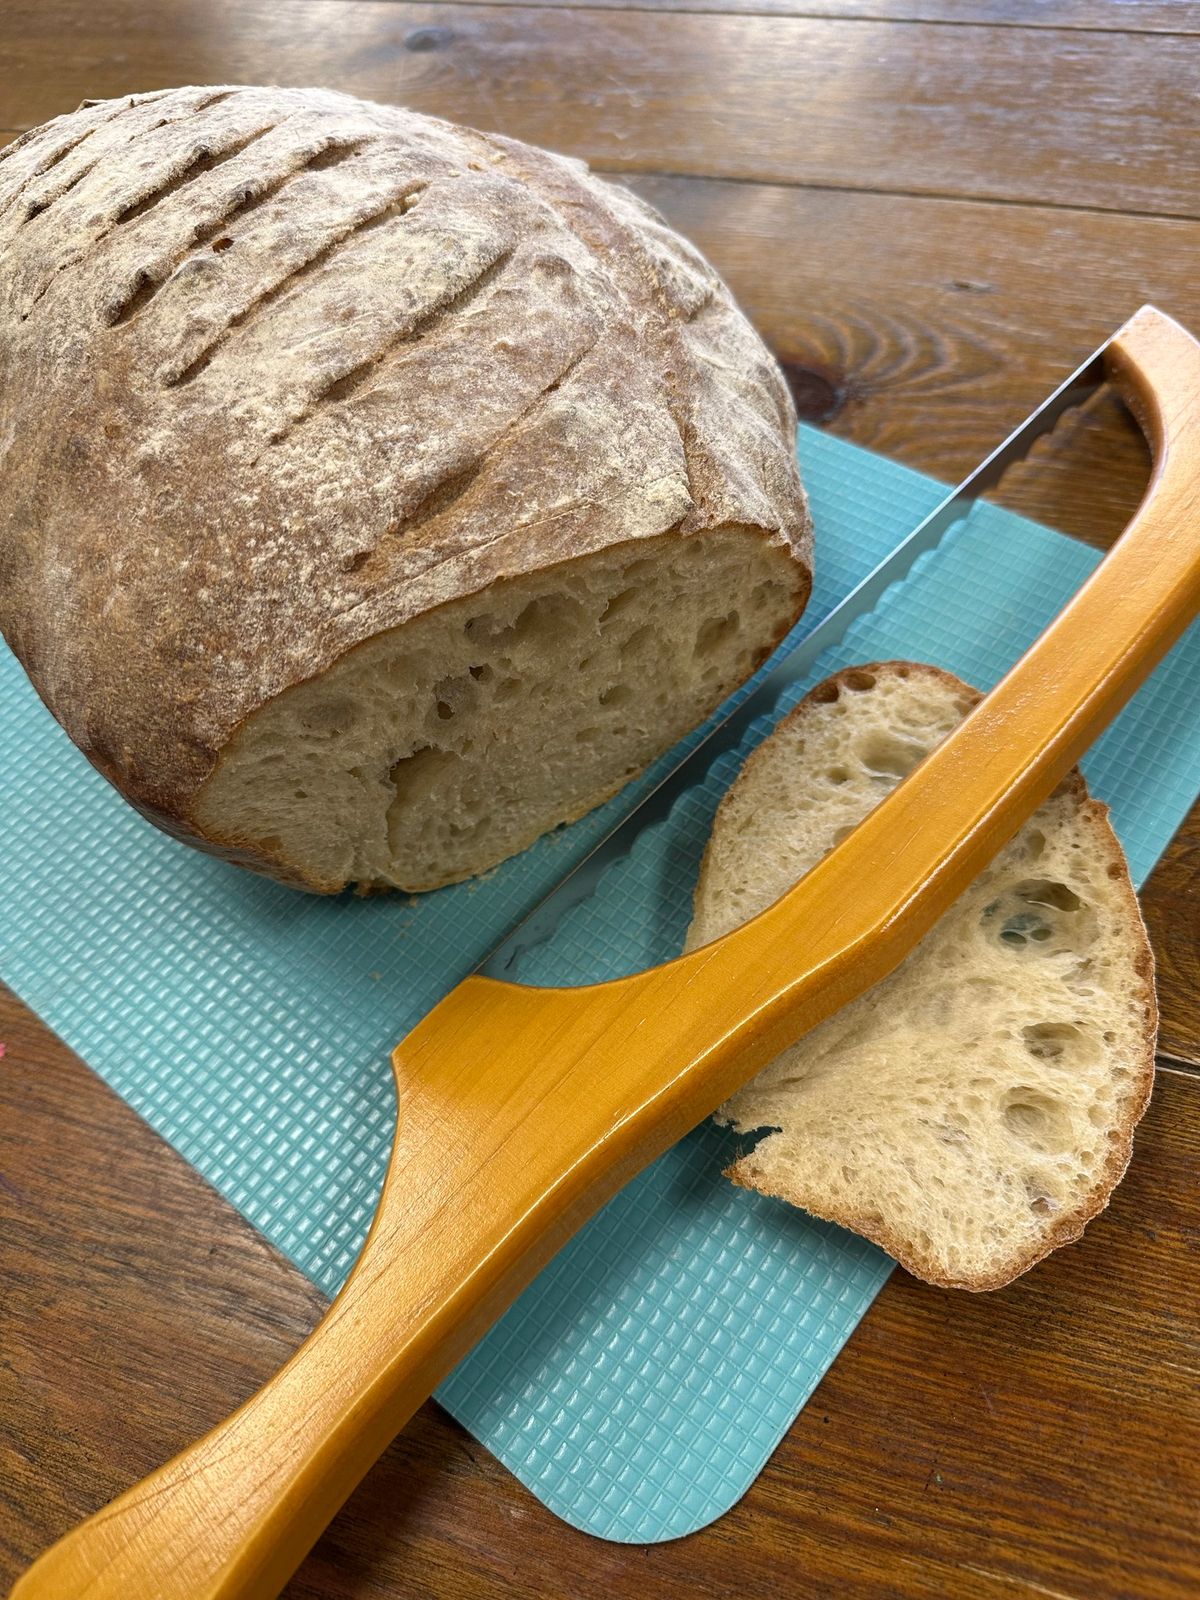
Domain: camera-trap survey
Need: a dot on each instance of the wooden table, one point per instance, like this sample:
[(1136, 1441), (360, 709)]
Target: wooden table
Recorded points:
[(931, 209)]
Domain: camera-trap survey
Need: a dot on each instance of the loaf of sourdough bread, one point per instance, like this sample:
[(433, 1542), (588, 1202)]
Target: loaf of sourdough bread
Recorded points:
[(376, 493), (971, 1112)]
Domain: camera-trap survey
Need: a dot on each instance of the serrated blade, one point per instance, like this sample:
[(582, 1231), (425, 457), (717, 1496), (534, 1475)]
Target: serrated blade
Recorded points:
[(580, 883)]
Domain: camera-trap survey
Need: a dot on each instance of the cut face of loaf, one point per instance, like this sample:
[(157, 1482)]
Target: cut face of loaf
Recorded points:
[(976, 1108), (375, 493), (438, 749)]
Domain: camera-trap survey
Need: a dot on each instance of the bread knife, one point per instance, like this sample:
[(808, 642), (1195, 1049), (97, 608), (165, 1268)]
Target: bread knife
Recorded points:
[(520, 1110)]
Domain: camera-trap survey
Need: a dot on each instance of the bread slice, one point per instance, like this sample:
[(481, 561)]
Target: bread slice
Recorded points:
[(375, 493), (971, 1112)]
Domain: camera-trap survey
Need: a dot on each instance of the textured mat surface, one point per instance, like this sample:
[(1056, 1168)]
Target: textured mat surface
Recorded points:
[(641, 1383)]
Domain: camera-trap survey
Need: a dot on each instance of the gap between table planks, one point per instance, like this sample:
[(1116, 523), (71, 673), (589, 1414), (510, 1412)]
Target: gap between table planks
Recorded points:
[(1093, 16), (1028, 115), (1106, 16)]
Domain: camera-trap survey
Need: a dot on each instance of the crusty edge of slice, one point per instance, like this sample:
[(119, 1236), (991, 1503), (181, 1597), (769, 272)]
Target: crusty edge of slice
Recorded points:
[(1094, 815)]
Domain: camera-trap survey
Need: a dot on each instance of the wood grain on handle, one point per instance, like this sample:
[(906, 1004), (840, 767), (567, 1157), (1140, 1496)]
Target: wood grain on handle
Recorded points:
[(520, 1111)]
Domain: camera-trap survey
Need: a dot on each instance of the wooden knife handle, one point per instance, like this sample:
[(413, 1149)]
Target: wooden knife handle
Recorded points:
[(521, 1110)]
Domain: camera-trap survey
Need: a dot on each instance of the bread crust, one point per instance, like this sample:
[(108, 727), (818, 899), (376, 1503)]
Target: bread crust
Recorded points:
[(1093, 816), (282, 369)]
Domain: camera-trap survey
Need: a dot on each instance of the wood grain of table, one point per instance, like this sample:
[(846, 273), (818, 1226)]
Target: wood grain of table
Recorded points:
[(932, 210)]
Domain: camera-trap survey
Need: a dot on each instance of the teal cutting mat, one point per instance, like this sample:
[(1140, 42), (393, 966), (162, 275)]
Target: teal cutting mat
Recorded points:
[(641, 1383)]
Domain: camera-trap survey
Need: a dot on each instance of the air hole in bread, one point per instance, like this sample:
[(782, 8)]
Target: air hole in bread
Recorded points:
[(1040, 1203), (539, 624), (838, 774), (1040, 916), (454, 693), (415, 779), (1035, 1117), (483, 628), (886, 755), (715, 632), (619, 603), (1033, 842), (765, 595), (638, 641), (1058, 1043), (619, 694), (1046, 892), (858, 680)]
